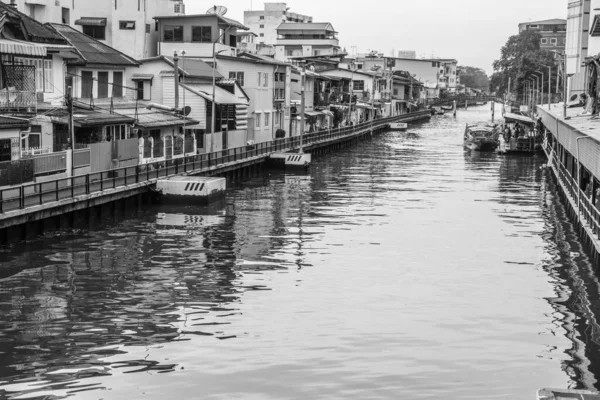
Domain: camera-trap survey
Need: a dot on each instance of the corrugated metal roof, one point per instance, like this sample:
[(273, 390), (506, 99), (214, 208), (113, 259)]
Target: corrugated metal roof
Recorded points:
[(6, 122), (222, 96), (91, 50), (38, 32), (227, 21), (149, 119), (194, 67), (142, 77)]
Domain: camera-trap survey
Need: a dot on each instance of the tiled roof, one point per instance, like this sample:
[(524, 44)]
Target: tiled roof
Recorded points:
[(37, 32), (91, 50)]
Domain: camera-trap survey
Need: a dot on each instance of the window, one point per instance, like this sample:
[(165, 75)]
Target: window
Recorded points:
[(262, 17), (43, 73), (5, 149), (315, 52), (102, 85), (358, 85), (173, 33), (266, 80), (257, 120), (544, 41), (359, 66), (202, 34), (267, 118), (289, 53), (127, 25), (395, 91), (565, 41), (97, 32), (117, 87), (554, 41), (277, 119), (262, 27), (140, 90), (34, 139), (259, 79), (262, 35), (238, 76), (147, 28), (87, 84)]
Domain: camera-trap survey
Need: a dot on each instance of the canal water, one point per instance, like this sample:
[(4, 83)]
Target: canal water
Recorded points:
[(403, 267)]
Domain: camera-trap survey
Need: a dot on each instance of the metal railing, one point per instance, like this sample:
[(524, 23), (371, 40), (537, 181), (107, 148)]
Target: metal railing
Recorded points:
[(36, 194), (589, 213)]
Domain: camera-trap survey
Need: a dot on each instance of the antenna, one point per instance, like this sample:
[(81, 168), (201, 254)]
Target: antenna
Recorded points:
[(217, 10)]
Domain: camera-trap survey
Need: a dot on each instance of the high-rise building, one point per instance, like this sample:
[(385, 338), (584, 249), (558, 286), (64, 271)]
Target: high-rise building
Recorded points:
[(264, 23), (578, 25), (127, 26)]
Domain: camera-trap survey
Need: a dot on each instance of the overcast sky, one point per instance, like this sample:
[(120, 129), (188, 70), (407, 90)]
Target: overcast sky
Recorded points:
[(471, 31)]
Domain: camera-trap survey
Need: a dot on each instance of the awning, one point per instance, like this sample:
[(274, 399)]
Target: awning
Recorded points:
[(91, 21), (21, 48), (142, 77), (365, 106), (312, 113), (222, 96), (328, 113)]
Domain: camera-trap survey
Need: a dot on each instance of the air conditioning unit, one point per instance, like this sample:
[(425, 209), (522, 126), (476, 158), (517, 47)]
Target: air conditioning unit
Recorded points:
[(179, 8)]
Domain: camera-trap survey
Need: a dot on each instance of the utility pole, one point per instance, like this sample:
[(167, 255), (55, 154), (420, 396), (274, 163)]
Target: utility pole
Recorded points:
[(176, 78), (302, 104), (565, 87), (71, 127)]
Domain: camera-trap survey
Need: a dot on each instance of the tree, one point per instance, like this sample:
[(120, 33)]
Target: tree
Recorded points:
[(474, 78), (520, 59)]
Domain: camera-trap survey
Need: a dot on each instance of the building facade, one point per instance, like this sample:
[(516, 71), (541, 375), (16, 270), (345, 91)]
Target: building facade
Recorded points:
[(127, 26), (306, 40), (264, 23), (553, 32)]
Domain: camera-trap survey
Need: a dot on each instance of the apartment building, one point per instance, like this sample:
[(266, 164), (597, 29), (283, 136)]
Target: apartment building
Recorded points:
[(306, 40), (553, 32), (264, 23)]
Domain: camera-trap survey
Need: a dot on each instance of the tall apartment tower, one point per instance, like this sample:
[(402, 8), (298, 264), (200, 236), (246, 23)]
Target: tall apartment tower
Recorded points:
[(264, 23), (578, 37), (126, 25)]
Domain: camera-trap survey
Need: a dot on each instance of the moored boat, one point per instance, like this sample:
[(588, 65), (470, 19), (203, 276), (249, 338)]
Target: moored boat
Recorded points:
[(447, 108), (481, 137), (398, 126)]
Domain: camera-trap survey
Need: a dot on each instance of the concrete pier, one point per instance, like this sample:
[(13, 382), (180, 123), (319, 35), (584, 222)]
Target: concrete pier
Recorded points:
[(564, 394), (572, 146), (193, 189)]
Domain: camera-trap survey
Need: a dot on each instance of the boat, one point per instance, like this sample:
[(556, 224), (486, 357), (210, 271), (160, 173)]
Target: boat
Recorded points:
[(528, 143), (481, 137), (398, 126), (437, 111), (447, 108)]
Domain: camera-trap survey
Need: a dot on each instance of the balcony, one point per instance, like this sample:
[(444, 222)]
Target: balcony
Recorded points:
[(195, 49), (19, 92), (37, 2)]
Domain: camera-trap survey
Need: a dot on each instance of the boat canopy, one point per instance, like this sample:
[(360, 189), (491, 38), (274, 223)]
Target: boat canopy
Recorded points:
[(518, 117)]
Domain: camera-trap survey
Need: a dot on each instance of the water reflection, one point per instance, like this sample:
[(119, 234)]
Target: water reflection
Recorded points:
[(404, 266)]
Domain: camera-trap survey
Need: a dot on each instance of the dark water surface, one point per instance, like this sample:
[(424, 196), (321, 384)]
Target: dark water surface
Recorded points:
[(404, 267)]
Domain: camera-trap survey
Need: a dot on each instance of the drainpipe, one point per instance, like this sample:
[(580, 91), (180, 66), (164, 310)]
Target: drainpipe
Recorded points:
[(276, 111)]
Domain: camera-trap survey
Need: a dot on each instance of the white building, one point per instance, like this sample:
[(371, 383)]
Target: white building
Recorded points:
[(127, 26), (264, 23), (306, 40)]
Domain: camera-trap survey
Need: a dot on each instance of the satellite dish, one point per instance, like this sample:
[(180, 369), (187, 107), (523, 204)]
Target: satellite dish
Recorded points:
[(217, 10), (186, 110)]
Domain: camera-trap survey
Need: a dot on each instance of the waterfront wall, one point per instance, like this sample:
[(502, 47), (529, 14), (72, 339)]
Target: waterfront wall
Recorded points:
[(572, 151), (35, 202)]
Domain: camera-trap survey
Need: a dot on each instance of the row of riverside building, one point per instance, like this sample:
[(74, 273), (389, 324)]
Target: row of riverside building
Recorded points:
[(144, 76)]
